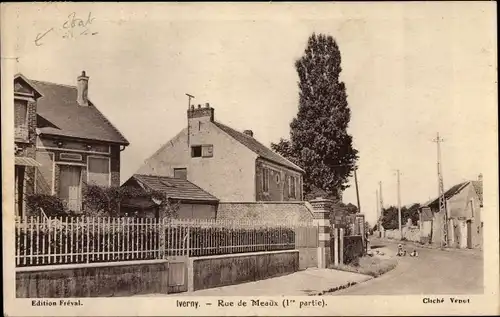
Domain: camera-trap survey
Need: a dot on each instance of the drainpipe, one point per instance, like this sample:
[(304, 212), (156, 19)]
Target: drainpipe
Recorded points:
[(122, 148)]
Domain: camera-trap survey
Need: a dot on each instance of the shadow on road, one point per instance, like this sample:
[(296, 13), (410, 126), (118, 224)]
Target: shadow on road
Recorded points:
[(377, 246)]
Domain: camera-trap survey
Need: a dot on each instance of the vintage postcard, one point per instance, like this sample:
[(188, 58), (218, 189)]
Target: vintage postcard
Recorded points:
[(291, 159)]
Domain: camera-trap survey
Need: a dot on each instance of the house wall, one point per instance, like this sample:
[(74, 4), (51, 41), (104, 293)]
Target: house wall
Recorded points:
[(49, 155), (27, 146), (228, 175), (278, 182)]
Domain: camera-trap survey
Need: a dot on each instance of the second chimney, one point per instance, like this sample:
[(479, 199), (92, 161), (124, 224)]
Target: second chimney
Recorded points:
[(82, 90), (248, 132)]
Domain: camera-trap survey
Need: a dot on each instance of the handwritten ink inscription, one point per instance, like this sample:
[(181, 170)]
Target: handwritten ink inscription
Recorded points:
[(74, 26)]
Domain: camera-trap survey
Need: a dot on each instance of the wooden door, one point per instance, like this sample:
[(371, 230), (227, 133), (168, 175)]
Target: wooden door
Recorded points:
[(70, 189)]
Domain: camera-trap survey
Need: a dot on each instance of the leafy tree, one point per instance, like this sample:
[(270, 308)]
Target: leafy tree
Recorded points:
[(319, 141), (390, 216)]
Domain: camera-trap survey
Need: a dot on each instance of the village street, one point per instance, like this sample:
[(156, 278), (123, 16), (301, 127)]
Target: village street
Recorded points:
[(433, 272)]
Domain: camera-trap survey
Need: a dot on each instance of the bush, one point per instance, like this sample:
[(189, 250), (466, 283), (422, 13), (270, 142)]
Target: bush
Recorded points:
[(106, 201), (52, 206)]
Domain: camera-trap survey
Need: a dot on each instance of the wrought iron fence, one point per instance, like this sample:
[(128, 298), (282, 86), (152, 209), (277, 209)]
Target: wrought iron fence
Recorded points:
[(72, 240)]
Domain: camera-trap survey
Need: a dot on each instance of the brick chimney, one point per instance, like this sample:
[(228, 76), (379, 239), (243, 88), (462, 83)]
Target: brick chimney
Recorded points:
[(82, 90), (249, 133), (200, 113)]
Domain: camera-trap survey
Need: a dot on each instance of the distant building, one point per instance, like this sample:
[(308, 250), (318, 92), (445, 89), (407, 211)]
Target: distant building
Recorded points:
[(464, 203), (194, 202), (231, 165), (72, 142)]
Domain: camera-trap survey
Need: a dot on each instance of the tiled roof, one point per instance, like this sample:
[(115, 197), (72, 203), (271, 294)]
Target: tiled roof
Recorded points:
[(448, 194), (175, 188), (59, 106), (478, 187), (257, 147)]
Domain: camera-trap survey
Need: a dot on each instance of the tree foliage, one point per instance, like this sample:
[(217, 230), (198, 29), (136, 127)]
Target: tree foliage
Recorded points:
[(319, 141), (106, 201), (390, 216)]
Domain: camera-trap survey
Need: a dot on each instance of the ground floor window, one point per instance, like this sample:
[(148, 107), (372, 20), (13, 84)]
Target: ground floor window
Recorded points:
[(98, 171)]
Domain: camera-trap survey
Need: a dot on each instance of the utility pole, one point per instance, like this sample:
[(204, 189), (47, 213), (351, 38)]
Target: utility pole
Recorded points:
[(189, 108), (357, 190), (399, 206), (381, 203), (189, 100), (442, 200), (378, 211)]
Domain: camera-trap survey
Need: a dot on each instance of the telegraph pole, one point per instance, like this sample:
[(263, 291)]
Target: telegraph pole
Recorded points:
[(381, 203), (357, 190), (399, 205), (378, 211), (442, 200)]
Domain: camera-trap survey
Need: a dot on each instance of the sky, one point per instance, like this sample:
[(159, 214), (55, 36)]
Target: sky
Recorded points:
[(411, 70)]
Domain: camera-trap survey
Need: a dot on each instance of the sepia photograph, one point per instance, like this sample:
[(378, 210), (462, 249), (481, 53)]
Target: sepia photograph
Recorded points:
[(249, 158)]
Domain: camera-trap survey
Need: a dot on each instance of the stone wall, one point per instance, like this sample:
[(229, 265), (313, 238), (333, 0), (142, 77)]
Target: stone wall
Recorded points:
[(265, 211), (93, 280), (215, 271)]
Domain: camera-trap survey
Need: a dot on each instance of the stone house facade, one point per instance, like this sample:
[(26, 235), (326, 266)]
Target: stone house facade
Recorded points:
[(229, 164), (464, 204), (74, 143)]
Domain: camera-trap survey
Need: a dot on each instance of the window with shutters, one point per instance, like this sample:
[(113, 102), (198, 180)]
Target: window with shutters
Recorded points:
[(98, 171), (265, 180), (207, 150), (196, 151), (292, 186)]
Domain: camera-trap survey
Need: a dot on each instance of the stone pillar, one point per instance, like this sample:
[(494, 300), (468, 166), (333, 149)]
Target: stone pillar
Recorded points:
[(322, 209)]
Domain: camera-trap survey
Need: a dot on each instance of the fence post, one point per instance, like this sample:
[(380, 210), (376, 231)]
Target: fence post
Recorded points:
[(336, 245), (321, 213), (161, 242), (341, 246)]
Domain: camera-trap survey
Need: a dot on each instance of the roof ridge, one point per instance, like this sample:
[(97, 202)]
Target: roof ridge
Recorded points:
[(254, 139), (52, 83)]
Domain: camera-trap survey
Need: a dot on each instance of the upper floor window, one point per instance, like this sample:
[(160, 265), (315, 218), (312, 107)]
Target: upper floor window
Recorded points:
[(21, 113), (180, 173), (98, 171), (202, 150), (292, 187), (265, 180)]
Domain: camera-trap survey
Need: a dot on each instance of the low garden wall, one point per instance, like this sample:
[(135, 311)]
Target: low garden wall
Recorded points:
[(92, 280), (221, 270)]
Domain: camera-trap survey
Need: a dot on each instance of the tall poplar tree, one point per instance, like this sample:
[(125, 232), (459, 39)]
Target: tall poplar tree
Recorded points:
[(319, 141)]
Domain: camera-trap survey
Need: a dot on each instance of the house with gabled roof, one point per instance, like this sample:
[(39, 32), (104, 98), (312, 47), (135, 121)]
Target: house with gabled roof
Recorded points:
[(464, 204), (194, 202), (75, 143), (227, 163)]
